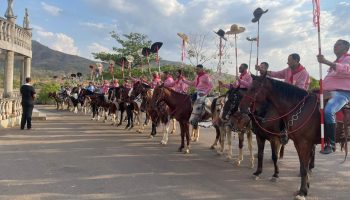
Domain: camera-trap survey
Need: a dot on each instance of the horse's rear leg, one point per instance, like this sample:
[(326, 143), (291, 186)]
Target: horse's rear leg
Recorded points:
[(187, 134), (173, 122), (166, 127), (261, 145), (240, 145), (304, 153), (223, 133), (228, 134), (217, 137), (183, 130), (195, 133), (250, 147)]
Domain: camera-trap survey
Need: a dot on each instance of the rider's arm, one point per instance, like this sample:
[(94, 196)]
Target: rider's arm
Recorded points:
[(344, 66), (277, 74)]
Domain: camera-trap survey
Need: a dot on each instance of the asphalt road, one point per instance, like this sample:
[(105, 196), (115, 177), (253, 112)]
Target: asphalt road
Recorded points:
[(70, 157)]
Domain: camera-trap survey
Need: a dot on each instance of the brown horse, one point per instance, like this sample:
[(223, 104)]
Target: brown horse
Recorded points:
[(180, 109), (229, 112), (298, 111)]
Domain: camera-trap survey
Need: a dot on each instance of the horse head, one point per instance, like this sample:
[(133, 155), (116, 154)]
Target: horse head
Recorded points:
[(158, 95), (231, 102), (139, 88), (201, 109)]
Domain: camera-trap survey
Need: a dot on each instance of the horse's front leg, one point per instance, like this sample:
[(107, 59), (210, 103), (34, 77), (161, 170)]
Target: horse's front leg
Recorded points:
[(223, 133), (217, 137), (121, 117), (312, 160), (187, 134), (261, 145), (275, 149), (182, 129), (304, 152), (173, 121)]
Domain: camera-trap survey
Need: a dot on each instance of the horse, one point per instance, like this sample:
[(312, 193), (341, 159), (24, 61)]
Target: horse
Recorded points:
[(84, 100), (180, 109), (231, 106), (298, 111), (59, 99), (241, 125), (160, 114)]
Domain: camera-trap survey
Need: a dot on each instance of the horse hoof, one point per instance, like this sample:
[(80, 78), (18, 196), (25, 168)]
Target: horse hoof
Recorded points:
[(180, 149), (299, 197), (228, 159), (238, 163), (251, 165), (163, 142), (187, 151), (150, 136), (212, 147), (274, 179), (255, 177), (172, 132)]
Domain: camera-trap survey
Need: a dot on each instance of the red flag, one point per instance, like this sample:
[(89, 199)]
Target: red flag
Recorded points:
[(316, 12)]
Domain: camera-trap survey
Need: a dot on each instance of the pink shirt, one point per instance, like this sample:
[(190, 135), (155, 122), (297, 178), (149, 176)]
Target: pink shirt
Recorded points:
[(246, 81), (155, 82), (202, 83), (169, 82), (104, 88), (179, 86), (338, 79), (300, 79)]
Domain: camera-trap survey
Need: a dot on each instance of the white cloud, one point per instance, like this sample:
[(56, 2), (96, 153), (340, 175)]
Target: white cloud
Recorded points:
[(53, 10), (96, 47), (57, 41), (94, 25)]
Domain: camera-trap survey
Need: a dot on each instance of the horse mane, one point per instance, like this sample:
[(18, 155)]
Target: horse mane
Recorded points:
[(145, 85), (287, 90), (213, 104)]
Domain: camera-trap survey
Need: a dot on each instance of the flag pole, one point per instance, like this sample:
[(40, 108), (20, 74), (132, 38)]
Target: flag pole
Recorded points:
[(317, 12)]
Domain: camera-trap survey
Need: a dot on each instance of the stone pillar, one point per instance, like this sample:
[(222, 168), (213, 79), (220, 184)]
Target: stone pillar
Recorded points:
[(8, 79), (27, 67), (22, 72)]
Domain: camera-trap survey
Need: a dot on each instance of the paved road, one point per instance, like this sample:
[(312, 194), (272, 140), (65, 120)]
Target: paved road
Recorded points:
[(70, 157)]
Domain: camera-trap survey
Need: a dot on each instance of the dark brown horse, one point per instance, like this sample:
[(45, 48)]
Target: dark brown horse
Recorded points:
[(180, 109), (229, 112), (299, 112)]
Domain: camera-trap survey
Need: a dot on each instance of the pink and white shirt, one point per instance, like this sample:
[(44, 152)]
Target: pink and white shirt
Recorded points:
[(155, 82), (245, 81), (338, 78), (169, 82), (298, 77), (202, 83)]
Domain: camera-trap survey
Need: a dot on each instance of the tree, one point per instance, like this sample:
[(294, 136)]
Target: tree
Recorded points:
[(197, 49), (130, 45)]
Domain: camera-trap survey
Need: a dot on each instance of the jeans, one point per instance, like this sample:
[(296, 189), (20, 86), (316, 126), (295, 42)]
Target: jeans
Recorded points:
[(337, 102)]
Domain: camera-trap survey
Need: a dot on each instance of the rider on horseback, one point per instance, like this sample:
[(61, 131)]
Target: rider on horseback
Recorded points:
[(168, 80), (243, 81), (202, 83), (156, 81), (337, 81), (90, 88)]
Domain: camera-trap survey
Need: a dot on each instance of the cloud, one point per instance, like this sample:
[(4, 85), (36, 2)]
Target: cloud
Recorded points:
[(53, 10), (57, 41), (94, 25), (96, 47)]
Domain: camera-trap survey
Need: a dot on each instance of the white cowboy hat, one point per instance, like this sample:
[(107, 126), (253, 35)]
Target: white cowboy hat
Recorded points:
[(235, 29), (183, 36), (130, 58)]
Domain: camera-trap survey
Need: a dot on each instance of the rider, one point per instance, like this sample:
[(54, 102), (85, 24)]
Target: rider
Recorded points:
[(115, 83), (202, 83), (294, 74), (338, 82), (243, 81), (179, 85), (168, 80), (62, 91), (156, 81), (90, 88), (104, 87)]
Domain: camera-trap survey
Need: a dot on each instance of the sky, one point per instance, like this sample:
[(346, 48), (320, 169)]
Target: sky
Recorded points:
[(81, 27)]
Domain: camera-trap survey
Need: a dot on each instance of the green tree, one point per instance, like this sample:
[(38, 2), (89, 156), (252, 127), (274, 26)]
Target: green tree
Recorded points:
[(314, 84), (130, 44)]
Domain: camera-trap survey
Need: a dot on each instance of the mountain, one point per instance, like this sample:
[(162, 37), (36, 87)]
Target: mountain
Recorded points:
[(49, 60)]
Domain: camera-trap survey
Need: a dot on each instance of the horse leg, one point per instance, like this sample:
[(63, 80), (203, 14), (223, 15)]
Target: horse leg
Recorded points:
[(312, 160), (275, 148), (240, 145), (222, 131), (217, 137), (166, 127), (187, 134), (228, 133), (173, 121), (196, 137), (261, 145), (304, 152), (131, 118), (182, 128), (121, 117), (250, 147)]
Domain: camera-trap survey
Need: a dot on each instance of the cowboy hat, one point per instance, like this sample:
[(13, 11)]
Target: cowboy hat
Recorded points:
[(73, 75), (183, 36), (130, 58), (251, 39), (258, 13), (146, 51), (235, 29), (79, 74), (122, 60), (221, 33), (156, 46)]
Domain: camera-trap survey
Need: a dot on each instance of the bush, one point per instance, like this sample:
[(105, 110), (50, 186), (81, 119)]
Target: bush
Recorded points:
[(44, 91)]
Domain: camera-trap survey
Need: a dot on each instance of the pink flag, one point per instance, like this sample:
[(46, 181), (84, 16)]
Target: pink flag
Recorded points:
[(316, 12)]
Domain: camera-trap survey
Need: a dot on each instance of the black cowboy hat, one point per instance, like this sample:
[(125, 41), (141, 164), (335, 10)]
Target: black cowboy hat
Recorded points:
[(221, 33), (73, 75), (156, 46), (146, 51), (258, 13), (79, 74), (252, 39), (122, 59), (55, 77)]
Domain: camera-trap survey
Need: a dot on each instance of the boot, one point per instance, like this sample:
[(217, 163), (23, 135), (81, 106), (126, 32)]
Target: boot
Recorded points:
[(330, 138)]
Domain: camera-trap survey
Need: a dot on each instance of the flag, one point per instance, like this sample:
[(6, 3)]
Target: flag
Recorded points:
[(316, 12)]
